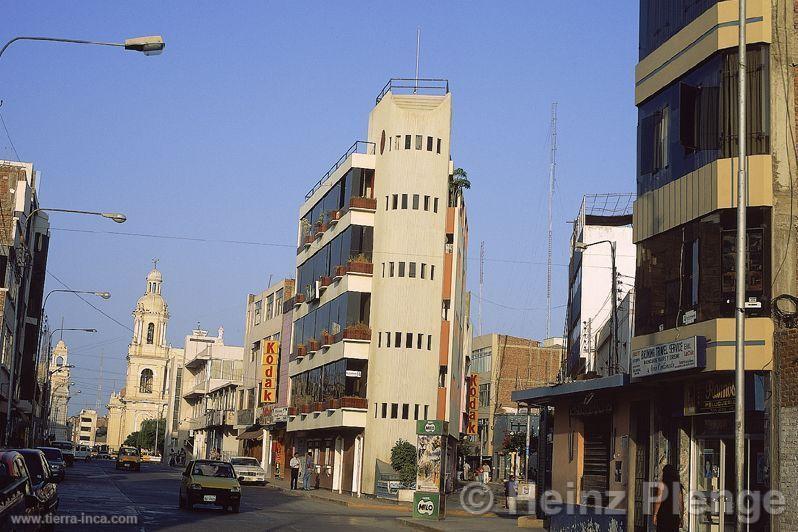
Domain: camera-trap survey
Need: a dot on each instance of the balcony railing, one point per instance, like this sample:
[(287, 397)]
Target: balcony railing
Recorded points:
[(330, 404), (438, 87), (360, 146)]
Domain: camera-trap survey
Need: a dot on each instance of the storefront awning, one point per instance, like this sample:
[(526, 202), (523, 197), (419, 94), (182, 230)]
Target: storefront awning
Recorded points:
[(251, 435), (546, 394)]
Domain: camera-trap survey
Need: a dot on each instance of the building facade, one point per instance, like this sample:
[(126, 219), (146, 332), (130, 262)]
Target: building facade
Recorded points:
[(86, 428), (262, 412), (674, 405), (144, 395), (381, 315), (24, 240), (59, 392), (502, 364)]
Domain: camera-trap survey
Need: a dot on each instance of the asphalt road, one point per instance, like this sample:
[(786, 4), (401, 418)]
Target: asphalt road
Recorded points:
[(151, 495)]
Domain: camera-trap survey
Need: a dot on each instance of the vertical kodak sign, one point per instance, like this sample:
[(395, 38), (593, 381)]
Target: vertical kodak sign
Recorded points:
[(473, 404), (269, 361)]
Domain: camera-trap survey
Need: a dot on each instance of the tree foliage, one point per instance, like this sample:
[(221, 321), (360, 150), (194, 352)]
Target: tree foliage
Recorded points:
[(516, 442), (404, 461), (457, 183), (145, 437)]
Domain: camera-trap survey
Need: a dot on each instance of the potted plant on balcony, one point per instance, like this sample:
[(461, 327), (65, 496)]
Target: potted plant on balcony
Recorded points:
[(359, 263), (313, 345), (301, 350), (358, 331), (305, 409), (327, 339), (335, 404), (340, 271), (334, 216), (299, 299), (325, 281)]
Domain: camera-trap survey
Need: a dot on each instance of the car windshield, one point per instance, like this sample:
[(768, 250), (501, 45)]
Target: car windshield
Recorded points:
[(244, 462), (35, 466), (53, 455), (213, 469), (128, 452)]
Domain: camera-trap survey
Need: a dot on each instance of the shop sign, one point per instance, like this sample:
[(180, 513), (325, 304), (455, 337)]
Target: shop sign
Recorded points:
[(269, 361), (353, 373), (472, 408), (679, 355), (709, 397), (426, 505), (595, 407), (280, 414)]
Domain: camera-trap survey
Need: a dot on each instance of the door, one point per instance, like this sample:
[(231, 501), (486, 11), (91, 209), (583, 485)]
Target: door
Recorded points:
[(713, 478)]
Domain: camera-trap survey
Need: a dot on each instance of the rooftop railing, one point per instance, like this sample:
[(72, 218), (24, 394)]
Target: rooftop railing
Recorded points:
[(360, 146), (434, 86)]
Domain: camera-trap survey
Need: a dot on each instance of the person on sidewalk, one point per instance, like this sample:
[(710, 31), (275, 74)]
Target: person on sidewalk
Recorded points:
[(308, 471), (511, 490), (294, 464)]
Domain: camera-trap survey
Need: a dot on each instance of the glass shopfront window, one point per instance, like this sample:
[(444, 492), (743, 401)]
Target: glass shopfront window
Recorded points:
[(357, 182), (356, 241), (693, 121), (695, 264), (662, 19)]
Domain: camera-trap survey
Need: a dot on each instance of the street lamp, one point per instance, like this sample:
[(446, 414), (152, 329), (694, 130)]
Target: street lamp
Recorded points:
[(582, 246), (152, 45)]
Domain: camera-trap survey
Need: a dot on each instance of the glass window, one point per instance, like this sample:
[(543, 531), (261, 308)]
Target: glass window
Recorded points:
[(384, 410), (391, 269), (423, 271), (419, 140), (415, 413), (407, 142), (397, 339), (388, 339), (435, 205), (394, 410), (420, 339), (398, 141), (439, 146), (432, 272), (409, 340), (415, 201), (401, 269), (379, 339), (426, 203), (257, 310), (662, 19), (395, 202), (411, 269), (429, 342), (404, 201), (405, 410), (429, 143)]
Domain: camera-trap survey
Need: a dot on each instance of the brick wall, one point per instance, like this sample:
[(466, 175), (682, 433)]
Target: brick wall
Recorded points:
[(524, 364)]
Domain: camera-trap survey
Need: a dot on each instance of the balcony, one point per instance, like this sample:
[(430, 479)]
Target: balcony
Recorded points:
[(363, 204), (425, 86), (343, 412), (360, 146), (359, 332)]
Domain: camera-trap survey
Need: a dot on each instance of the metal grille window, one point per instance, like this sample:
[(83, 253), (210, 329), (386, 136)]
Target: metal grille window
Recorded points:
[(484, 394)]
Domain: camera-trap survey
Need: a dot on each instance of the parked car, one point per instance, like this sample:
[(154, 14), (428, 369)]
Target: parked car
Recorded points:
[(248, 469), (67, 449), (128, 458), (83, 452), (42, 480), (210, 482), (101, 452), (55, 459), (17, 496)]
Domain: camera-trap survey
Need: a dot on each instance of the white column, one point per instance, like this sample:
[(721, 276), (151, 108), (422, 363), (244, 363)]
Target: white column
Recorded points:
[(265, 453)]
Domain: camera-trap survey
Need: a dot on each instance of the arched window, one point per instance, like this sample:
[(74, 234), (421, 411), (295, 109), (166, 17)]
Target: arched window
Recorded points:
[(145, 382), (150, 332), (59, 361)]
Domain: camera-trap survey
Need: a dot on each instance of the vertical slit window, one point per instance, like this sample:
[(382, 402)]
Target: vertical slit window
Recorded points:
[(407, 142), (415, 202), (419, 140), (404, 201)]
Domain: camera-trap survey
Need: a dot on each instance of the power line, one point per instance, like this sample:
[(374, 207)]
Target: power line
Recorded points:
[(9, 135), (89, 303)]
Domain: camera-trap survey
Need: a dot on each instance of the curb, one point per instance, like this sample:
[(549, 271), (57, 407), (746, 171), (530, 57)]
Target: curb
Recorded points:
[(418, 525), (348, 504)]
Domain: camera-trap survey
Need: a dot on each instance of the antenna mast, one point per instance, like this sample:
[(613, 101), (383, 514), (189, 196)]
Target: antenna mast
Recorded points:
[(100, 384), (552, 168), (418, 54), (481, 271)]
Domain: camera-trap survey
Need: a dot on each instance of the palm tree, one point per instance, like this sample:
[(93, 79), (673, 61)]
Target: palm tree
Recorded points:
[(457, 183)]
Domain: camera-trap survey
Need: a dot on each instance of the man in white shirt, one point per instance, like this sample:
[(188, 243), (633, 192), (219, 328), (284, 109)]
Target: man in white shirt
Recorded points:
[(294, 464)]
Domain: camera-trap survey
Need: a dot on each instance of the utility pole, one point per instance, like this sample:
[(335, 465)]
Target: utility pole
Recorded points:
[(552, 168), (481, 278), (740, 281), (614, 356)]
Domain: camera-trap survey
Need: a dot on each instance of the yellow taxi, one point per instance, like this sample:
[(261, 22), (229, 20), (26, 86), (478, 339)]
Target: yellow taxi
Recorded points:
[(210, 482), (128, 458)]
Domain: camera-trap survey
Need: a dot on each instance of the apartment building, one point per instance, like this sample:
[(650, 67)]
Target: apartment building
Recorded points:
[(262, 412), (601, 240), (210, 379), (86, 428), (675, 403), (381, 315), (501, 364), (24, 239)]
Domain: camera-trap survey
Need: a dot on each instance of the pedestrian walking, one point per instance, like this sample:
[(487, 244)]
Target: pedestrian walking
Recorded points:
[(485, 474), (466, 471), (669, 505), (511, 492), (308, 471), (294, 464)]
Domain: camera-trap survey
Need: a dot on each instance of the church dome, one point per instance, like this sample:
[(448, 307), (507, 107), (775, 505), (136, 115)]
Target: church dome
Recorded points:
[(155, 276), (152, 301)]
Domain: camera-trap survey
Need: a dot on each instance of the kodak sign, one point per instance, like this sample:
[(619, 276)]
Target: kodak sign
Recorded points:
[(268, 371), (472, 404)]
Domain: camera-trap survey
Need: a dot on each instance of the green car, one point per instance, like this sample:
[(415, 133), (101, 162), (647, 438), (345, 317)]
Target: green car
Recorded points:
[(210, 482)]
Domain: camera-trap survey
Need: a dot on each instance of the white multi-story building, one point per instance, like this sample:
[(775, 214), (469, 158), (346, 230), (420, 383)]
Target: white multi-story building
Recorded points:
[(86, 427), (604, 222), (381, 318)]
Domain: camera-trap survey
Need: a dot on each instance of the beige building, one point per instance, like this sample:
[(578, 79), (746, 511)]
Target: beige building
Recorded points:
[(85, 427), (381, 320), (59, 392), (144, 395)]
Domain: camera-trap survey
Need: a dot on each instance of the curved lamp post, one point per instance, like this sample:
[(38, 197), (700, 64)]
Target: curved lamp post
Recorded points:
[(152, 45)]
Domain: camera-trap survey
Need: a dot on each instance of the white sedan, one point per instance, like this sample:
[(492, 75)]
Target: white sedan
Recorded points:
[(248, 469)]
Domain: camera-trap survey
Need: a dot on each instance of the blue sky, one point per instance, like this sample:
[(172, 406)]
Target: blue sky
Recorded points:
[(220, 137)]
